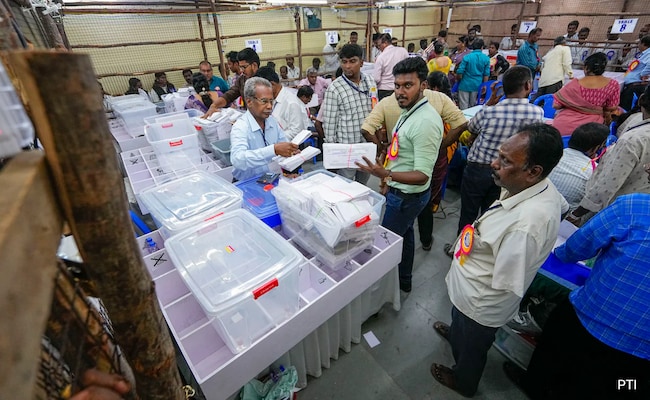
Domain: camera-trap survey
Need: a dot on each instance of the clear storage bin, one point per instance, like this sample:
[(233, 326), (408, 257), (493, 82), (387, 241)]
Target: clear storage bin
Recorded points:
[(190, 200), (133, 112), (314, 228), (175, 142), (244, 275)]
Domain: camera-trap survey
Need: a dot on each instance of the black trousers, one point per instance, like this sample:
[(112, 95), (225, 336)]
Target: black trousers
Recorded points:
[(384, 93), (470, 343), (628, 94), (477, 192), (569, 363)]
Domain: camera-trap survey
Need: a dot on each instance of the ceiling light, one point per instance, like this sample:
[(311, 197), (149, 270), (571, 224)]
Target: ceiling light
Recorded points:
[(309, 2)]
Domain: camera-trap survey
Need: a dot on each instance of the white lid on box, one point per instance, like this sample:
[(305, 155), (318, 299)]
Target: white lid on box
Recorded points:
[(230, 257), (191, 199)]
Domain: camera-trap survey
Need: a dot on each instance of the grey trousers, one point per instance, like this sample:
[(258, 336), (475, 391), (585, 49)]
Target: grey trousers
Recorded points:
[(467, 99), (470, 343)]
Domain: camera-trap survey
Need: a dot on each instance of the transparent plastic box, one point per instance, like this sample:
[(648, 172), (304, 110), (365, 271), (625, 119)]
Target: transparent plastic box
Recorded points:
[(190, 200), (175, 142), (244, 275), (133, 112), (309, 229)]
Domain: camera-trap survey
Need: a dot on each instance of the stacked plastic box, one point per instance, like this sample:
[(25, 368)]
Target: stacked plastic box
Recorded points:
[(217, 128), (132, 112), (174, 141), (189, 201), (244, 275), (259, 200), (333, 217)]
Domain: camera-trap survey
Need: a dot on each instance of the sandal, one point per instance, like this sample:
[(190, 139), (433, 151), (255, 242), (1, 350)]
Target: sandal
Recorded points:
[(449, 250), (445, 376), (441, 329)]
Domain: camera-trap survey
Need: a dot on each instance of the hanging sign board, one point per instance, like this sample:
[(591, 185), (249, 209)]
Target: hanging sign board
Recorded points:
[(527, 26), (332, 37), (255, 44), (388, 30), (624, 25)]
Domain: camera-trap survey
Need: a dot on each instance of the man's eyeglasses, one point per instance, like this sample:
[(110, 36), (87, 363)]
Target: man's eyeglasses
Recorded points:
[(265, 101), (243, 67)]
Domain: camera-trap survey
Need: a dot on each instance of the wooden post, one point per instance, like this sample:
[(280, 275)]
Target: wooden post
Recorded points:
[(69, 118), (404, 26), (200, 21), (369, 43), (30, 232), (296, 18), (222, 64), (519, 18)]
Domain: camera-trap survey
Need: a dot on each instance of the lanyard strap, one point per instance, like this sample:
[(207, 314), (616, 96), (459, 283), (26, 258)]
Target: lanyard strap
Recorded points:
[(403, 120), (349, 82)]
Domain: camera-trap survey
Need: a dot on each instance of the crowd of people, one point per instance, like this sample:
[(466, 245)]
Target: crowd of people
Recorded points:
[(518, 184)]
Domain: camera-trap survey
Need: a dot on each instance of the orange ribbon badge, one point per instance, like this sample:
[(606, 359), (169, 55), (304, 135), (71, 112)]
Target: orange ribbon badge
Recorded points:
[(466, 244)]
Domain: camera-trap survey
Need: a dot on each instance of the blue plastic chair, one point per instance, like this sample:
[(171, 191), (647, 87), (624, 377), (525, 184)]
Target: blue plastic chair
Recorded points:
[(454, 89), (547, 99), (565, 141), (488, 92), (635, 98)]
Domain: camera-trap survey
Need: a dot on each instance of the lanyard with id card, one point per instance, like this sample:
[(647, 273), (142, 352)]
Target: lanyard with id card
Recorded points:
[(393, 148)]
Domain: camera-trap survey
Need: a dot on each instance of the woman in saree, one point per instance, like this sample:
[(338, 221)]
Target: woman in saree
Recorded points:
[(590, 99)]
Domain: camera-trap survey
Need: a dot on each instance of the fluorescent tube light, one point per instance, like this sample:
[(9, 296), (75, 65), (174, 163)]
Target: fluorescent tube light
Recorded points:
[(309, 2)]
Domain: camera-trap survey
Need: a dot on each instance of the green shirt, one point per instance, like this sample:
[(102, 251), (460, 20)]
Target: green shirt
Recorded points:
[(419, 137)]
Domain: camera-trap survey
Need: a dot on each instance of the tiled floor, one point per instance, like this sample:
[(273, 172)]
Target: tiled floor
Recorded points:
[(398, 368)]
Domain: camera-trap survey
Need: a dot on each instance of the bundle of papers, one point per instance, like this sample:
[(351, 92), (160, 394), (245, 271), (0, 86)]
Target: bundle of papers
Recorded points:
[(339, 155), (337, 208), (293, 162)]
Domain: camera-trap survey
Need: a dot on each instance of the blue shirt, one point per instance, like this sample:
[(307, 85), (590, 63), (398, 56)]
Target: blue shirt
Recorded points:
[(527, 56), (474, 67), (218, 82), (614, 303), (251, 149), (642, 69)]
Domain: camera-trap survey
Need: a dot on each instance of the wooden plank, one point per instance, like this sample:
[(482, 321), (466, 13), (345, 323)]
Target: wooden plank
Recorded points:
[(30, 232), (69, 118)]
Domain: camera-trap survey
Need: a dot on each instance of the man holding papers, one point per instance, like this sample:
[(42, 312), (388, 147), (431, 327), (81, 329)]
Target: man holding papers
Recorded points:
[(412, 152), (348, 100), (256, 137)]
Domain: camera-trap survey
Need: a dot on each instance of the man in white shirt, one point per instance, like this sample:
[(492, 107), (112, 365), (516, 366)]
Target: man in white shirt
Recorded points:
[(497, 257), (511, 42), (633, 53), (613, 51), (331, 57), (581, 50), (572, 31), (288, 110), (575, 168), (383, 71), (557, 64), (293, 72), (256, 137)]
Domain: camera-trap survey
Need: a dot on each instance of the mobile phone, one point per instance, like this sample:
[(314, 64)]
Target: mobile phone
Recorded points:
[(268, 178)]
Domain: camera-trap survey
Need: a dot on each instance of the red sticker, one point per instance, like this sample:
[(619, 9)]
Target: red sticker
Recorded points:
[(265, 288), (362, 221), (176, 143), (213, 217), (268, 187), (169, 125)]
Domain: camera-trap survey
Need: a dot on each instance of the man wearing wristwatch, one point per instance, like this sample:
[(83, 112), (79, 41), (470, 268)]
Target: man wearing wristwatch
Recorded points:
[(412, 152)]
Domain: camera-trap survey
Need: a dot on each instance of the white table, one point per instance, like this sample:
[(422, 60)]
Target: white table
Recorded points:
[(333, 306)]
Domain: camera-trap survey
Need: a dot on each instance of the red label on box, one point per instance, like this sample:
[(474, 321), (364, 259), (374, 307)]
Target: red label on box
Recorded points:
[(213, 217), (362, 221), (176, 143), (265, 288), (168, 125)]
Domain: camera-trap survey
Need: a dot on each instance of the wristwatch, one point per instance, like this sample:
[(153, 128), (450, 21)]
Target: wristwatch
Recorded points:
[(388, 177)]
